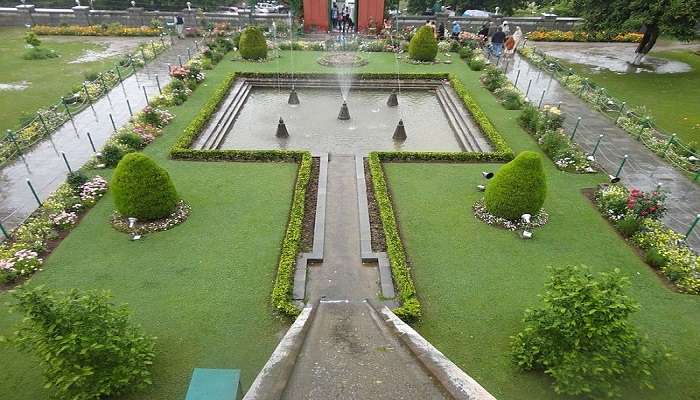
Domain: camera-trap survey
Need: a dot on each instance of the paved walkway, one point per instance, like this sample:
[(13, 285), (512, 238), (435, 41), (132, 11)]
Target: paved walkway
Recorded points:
[(348, 352), (44, 165), (643, 170)]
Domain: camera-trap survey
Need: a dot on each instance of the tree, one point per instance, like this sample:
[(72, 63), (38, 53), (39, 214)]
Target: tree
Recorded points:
[(581, 335), (677, 18), (423, 45), (518, 188), (142, 189), (88, 347), (253, 44)]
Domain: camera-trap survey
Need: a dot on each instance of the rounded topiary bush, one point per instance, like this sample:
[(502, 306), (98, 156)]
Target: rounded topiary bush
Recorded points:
[(252, 44), (423, 46), (142, 189), (518, 188)]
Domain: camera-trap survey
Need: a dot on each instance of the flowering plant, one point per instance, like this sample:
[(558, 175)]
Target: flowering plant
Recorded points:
[(93, 190), (20, 262), (647, 204)]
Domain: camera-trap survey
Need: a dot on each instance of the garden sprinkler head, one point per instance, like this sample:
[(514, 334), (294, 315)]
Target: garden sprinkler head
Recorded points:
[(526, 218), (614, 179), (132, 222), (481, 188), (487, 175)]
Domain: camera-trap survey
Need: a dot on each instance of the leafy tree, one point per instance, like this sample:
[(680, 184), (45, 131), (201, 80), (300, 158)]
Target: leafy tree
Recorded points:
[(86, 345), (677, 18), (581, 335), (142, 189), (32, 39), (518, 187), (253, 44), (423, 45)]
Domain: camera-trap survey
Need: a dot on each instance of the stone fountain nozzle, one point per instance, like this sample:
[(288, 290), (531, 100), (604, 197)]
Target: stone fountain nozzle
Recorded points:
[(400, 131), (344, 112), (282, 129), (393, 101), (293, 97)]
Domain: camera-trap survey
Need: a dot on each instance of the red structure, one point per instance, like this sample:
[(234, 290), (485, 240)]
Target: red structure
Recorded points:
[(317, 14)]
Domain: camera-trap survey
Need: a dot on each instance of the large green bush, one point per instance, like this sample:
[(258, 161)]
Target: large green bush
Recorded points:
[(252, 44), (142, 189), (87, 346), (423, 46), (581, 335), (518, 188)]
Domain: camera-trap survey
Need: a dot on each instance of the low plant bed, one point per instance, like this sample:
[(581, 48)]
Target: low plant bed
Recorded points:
[(536, 221), (122, 223), (310, 200), (342, 60), (375, 219)]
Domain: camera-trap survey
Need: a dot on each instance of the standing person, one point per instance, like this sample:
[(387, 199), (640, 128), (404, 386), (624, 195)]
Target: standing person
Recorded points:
[(341, 22), (334, 16), (456, 30), (518, 37), (497, 41), (510, 46), (505, 27), (179, 26), (441, 31), (484, 31), (351, 25)]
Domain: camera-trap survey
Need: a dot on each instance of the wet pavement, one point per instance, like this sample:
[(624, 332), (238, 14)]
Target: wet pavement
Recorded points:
[(43, 164), (643, 169), (616, 57)]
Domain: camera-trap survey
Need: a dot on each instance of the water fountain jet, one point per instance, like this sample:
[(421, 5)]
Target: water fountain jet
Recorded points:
[(393, 101), (344, 112), (282, 129), (293, 97), (400, 131)]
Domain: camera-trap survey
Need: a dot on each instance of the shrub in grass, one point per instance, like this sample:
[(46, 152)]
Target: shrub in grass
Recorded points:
[(142, 189), (510, 97), (252, 44), (493, 78), (130, 139), (477, 63), (88, 348), (528, 118), (113, 152), (76, 179), (423, 46), (656, 259), (466, 53), (518, 188), (39, 53), (581, 335)]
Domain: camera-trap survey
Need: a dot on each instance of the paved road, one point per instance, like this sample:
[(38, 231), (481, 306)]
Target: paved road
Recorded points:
[(44, 165), (643, 170)]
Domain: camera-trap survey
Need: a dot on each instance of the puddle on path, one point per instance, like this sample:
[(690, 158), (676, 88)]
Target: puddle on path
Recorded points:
[(17, 86), (112, 47)]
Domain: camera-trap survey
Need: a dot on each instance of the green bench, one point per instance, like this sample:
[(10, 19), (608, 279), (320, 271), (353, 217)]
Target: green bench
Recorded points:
[(214, 384)]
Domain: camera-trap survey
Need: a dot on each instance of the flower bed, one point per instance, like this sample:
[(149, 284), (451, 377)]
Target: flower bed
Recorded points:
[(636, 215), (481, 213), (23, 254), (571, 36), (121, 223), (96, 30), (342, 60)]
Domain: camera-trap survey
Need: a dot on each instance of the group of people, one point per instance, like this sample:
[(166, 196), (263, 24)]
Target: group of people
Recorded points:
[(341, 19), (502, 42), (438, 30)]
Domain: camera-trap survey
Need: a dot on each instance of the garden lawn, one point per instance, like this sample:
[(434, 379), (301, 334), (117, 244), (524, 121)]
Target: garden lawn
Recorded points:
[(203, 288), (673, 100), (47, 80)]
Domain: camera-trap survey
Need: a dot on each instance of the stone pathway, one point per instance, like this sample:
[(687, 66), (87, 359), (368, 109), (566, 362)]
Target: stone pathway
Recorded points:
[(643, 169), (44, 165), (348, 352)]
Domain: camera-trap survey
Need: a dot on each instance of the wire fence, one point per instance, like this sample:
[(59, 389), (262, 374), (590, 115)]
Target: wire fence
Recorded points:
[(633, 120), (47, 120)]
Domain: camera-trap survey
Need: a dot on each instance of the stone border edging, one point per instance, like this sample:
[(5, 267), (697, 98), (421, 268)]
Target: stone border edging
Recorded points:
[(386, 281), (457, 383), (270, 383), (316, 255)]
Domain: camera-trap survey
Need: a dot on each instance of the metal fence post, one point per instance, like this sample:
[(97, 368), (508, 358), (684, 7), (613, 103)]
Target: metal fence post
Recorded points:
[(36, 196), (65, 160), (43, 123), (622, 164), (542, 98), (578, 121), (92, 144), (692, 226), (4, 232), (87, 95), (158, 83)]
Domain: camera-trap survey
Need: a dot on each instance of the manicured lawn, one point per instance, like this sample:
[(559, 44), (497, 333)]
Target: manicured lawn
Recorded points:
[(47, 80), (202, 288), (672, 99)]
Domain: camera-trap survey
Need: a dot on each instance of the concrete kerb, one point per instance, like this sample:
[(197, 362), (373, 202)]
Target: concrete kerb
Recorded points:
[(386, 281), (316, 255), (274, 376), (455, 381)]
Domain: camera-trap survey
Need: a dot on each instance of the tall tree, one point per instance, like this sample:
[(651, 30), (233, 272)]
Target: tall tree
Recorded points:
[(678, 18)]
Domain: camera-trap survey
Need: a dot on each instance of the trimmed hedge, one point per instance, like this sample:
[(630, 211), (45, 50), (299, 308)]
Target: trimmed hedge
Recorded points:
[(519, 187), (142, 189), (252, 44), (423, 45), (410, 308)]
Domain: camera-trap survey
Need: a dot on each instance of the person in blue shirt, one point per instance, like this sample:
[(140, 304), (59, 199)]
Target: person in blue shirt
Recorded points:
[(456, 30), (497, 41)]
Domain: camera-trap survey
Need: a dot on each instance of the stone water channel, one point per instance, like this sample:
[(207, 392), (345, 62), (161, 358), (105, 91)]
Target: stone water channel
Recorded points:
[(349, 350)]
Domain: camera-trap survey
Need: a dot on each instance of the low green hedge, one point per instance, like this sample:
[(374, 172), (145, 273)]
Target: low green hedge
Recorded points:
[(360, 76), (410, 308), (456, 157)]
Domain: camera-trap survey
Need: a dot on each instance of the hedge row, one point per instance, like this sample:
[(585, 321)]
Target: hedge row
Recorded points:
[(443, 156), (360, 76), (410, 308), (499, 144), (281, 292)]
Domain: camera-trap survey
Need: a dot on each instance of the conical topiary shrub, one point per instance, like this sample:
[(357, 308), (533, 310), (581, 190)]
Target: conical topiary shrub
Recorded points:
[(423, 46), (252, 44), (142, 189), (518, 188)]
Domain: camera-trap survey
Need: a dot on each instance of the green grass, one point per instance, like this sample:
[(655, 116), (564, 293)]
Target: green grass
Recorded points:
[(673, 100), (203, 288), (48, 79), (475, 281)]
